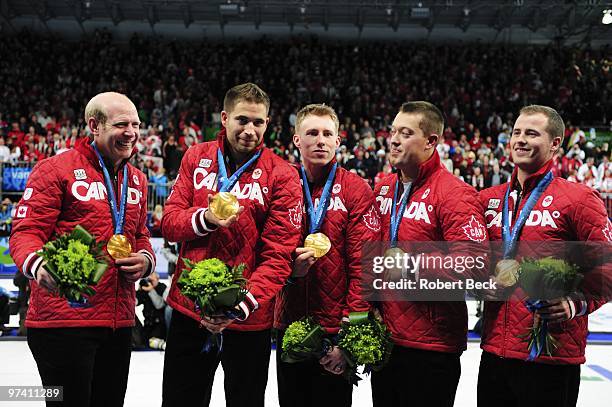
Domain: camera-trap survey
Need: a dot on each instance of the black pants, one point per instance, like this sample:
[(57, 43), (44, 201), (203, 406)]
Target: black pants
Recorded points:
[(307, 384), (92, 364), (189, 372), (416, 378), (513, 382)]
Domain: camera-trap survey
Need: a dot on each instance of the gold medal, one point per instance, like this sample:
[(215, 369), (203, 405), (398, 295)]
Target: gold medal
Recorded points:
[(397, 272), (224, 205), (319, 242), (119, 247), (507, 272)]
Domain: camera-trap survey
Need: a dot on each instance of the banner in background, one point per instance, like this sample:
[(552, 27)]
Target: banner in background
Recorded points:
[(14, 178)]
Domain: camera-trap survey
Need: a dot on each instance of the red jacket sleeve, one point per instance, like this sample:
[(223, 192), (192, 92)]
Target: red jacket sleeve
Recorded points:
[(35, 217), (280, 236), (591, 223), (181, 221), (363, 229)]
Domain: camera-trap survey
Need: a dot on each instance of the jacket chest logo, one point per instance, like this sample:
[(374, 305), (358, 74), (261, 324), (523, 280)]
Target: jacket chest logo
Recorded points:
[(418, 211), (542, 218), (85, 192), (80, 174), (202, 179)]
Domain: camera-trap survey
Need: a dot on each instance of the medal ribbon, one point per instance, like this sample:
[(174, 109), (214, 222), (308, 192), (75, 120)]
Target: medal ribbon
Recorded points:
[(226, 184), (118, 216), (510, 236), (396, 218), (317, 215)]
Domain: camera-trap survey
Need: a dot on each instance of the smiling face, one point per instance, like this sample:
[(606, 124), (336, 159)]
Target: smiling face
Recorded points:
[(409, 146), (317, 139), (245, 125), (531, 145), (116, 136)]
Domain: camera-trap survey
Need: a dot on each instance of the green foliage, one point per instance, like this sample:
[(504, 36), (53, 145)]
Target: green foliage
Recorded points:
[(548, 278), (76, 263), (365, 341), (304, 340), (212, 285)]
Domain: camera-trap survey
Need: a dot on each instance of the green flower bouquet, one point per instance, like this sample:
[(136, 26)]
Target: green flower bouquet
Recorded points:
[(541, 280), (303, 340), (76, 263), (365, 341), (213, 286)]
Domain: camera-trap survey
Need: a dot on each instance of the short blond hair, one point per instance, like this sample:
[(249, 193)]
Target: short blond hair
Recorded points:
[(317, 109), (555, 126)]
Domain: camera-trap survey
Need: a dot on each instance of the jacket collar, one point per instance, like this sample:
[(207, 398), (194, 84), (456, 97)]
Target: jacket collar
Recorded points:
[(533, 179), (426, 169)]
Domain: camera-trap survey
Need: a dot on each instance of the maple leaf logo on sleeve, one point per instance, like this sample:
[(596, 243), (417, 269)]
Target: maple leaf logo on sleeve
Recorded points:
[(295, 216), (475, 231), (372, 220)]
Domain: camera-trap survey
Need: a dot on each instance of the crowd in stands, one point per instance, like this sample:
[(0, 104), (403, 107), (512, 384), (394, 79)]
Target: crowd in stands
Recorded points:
[(178, 88)]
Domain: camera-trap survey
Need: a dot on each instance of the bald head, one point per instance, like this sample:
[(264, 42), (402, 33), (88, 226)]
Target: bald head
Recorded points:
[(98, 107)]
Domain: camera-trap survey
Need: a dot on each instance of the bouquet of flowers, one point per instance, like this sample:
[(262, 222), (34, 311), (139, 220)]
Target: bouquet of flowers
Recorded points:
[(76, 263), (303, 340), (366, 341), (215, 289), (545, 279)]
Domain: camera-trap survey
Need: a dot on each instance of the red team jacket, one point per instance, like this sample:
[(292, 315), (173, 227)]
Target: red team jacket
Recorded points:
[(332, 287), (264, 237), (566, 211), (68, 190), (440, 208)]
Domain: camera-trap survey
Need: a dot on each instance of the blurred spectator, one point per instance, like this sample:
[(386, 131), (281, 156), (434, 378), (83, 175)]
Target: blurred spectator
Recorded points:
[(150, 294)]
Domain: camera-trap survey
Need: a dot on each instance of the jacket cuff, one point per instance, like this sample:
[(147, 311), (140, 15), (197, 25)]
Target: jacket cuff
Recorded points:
[(199, 224), (31, 265), (151, 259), (248, 306), (579, 303)]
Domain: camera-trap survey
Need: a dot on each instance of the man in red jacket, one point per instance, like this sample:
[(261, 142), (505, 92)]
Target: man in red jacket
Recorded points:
[(86, 350), (339, 205), (540, 207), (435, 206), (262, 236)]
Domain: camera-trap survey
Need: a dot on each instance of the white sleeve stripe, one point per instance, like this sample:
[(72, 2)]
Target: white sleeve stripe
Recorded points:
[(244, 309), (36, 266), (151, 260), (583, 308), (203, 221), (253, 300), (194, 223), (26, 272)]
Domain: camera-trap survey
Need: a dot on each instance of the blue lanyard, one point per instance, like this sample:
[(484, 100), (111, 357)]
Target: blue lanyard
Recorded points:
[(317, 215), (396, 218), (225, 184), (118, 216), (510, 236)]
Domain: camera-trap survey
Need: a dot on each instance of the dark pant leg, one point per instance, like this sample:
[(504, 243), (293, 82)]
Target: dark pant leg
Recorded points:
[(66, 357), (308, 384), (245, 360), (188, 372), (415, 378), (494, 385), (516, 383), (544, 384), (111, 368)]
